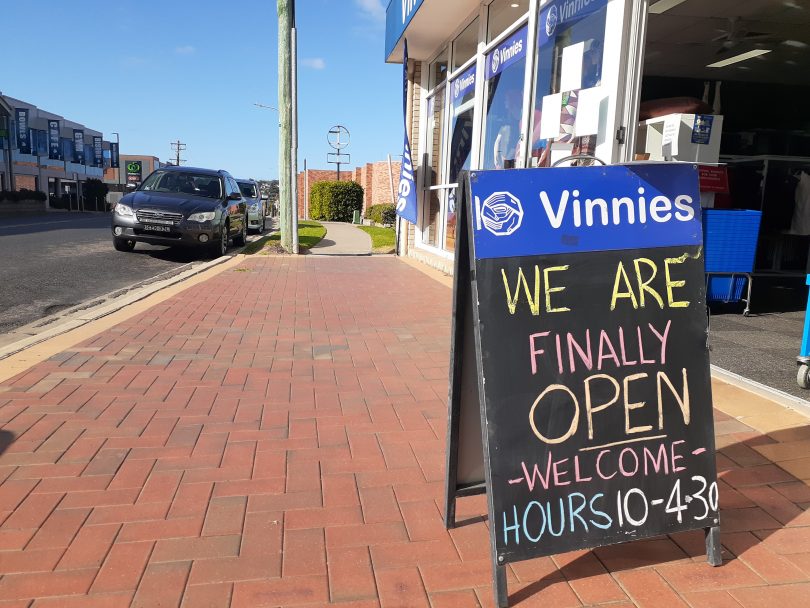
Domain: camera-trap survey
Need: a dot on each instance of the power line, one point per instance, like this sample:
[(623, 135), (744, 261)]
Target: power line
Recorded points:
[(177, 147)]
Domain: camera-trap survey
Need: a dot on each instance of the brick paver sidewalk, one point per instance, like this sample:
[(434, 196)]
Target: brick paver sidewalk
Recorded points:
[(275, 437)]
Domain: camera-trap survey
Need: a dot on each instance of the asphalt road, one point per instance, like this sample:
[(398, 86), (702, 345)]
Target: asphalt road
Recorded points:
[(52, 262)]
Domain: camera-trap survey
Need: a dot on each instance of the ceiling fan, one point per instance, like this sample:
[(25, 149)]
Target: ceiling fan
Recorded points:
[(737, 33)]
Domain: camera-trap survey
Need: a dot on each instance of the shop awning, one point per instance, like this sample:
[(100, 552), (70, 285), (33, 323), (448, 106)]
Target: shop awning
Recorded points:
[(426, 23)]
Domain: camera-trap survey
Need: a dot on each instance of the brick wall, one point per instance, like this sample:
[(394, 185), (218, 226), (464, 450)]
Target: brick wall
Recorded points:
[(313, 176), (25, 182), (373, 177)]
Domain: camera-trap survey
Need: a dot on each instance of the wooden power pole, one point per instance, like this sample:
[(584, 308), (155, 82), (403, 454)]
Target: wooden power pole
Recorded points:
[(178, 146), (285, 14)]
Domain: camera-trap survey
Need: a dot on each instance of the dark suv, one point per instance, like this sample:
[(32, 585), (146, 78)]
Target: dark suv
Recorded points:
[(182, 206)]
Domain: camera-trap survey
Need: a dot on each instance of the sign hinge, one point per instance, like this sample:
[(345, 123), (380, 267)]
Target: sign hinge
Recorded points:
[(620, 134)]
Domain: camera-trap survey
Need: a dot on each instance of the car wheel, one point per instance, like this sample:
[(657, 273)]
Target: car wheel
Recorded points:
[(264, 222), (220, 247), (241, 238), (123, 244)]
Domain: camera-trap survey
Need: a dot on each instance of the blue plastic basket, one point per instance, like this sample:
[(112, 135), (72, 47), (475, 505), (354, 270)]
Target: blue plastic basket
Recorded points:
[(720, 288), (730, 239)]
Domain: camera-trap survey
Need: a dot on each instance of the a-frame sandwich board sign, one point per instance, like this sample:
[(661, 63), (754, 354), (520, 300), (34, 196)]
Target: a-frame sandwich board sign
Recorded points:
[(580, 398)]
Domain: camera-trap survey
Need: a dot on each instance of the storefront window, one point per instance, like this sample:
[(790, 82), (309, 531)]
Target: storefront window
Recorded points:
[(465, 45), (433, 207), (569, 62), (505, 73), (502, 14), (462, 91), (438, 70)]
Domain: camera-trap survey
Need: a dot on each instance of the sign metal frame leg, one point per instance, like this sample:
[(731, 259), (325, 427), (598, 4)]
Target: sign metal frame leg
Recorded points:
[(499, 585), (713, 551)]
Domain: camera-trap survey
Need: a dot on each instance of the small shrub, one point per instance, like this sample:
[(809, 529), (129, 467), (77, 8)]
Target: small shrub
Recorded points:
[(15, 196), (385, 214), (335, 201)]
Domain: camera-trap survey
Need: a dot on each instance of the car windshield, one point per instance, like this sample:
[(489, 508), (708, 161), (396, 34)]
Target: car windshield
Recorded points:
[(195, 184), (248, 189)]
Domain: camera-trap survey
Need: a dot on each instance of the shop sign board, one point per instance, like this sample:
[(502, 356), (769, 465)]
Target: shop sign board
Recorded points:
[(98, 150), (713, 178), (134, 171), (23, 134), (397, 18), (114, 158), (579, 346), (54, 151), (78, 146), (702, 129)]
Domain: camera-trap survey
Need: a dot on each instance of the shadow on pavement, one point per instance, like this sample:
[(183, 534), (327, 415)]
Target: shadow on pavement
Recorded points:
[(764, 508), (6, 439), (34, 224)]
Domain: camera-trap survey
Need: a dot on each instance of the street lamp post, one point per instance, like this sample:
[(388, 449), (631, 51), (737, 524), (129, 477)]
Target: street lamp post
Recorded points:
[(118, 168), (293, 177)]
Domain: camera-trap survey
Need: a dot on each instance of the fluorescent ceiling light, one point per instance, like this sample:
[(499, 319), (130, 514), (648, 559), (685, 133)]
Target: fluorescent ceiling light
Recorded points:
[(663, 6), (738, 58)]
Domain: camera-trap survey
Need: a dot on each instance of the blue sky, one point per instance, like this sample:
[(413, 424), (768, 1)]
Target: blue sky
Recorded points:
[(156, 71)]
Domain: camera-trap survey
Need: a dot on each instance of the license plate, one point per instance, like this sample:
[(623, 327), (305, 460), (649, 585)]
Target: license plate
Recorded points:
[(154, 228)]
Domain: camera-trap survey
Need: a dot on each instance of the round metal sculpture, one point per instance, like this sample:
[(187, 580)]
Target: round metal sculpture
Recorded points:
[(338, 137)]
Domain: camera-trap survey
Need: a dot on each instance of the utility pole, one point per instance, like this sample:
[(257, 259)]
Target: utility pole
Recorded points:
[(285, 16), (294, 143), (177, 147)]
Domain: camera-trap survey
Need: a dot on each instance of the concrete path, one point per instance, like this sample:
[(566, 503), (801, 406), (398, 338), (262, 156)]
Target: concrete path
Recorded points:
[(275, 436), (343, 239)]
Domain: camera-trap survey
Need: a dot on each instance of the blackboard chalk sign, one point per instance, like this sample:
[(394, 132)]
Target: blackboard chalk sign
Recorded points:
[(580, 348)]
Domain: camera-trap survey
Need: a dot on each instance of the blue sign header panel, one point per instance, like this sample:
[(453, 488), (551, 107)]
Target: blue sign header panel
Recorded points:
[(525, 212), (558, 13), (397, 17), (510, 51), (463, 87)]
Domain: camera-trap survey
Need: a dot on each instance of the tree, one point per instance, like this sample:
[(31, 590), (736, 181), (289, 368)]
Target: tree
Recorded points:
[(95, 194)]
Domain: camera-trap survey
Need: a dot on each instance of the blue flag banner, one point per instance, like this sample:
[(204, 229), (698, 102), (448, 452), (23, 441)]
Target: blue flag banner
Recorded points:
[(54, 148), (23, 134), (525, 212), (115, 162), (98, 151), (406, 192), (78, 145)]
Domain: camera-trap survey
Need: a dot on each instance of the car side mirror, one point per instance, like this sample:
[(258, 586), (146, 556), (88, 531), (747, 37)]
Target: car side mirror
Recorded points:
[(234, 196)]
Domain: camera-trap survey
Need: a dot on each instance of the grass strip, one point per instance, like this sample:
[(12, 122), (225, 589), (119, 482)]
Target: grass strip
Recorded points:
[(382, 239)]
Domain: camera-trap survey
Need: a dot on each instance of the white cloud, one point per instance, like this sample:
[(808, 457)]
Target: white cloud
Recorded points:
[(185, 50), (373, 9), (316, 63)]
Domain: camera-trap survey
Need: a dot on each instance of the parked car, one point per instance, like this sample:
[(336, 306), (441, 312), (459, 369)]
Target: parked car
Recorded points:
[(256, 204), (182, 206)]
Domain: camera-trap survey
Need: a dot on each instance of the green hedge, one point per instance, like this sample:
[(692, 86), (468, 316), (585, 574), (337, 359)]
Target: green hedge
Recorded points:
[(385, 214), (14, 196), (335, 201)]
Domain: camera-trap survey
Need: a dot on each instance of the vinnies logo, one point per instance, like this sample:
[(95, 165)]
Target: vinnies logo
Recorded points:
[(501, 213), (552, 19), (496, 61)]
